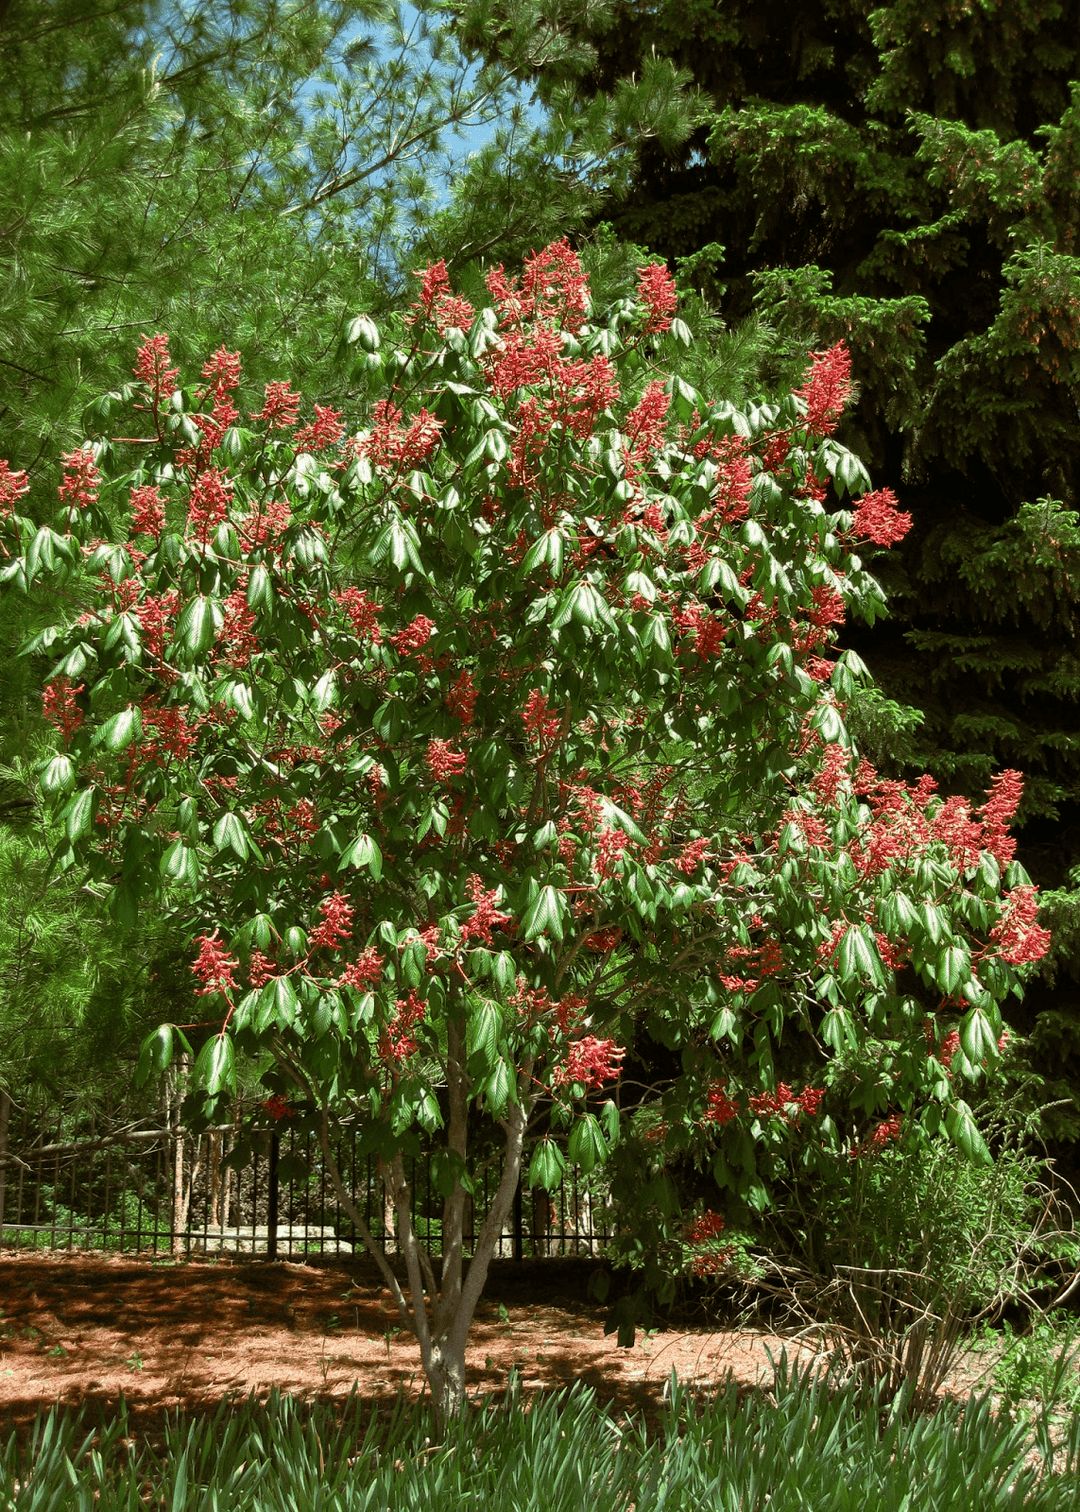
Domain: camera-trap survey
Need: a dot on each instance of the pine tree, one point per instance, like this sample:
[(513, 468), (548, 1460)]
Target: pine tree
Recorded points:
[(905, 178)]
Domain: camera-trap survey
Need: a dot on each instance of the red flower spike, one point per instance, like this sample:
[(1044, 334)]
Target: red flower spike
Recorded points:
[(214, 967), (221, 372), (152, 369), (443, 762), (487, 916), (336, 925), (363, 973), (147, 511), (1019, 939), (414, 635), (281, 406), (656, 291), (81, 478), (590, 1062), (398, 1041), (877, 518), (12, 487), (208, 505), (720, 1109), (461, 698), (59, 707), (324, 432), (826, 389)]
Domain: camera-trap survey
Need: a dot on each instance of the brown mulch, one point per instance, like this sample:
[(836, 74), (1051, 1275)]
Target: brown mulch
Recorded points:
[(83, 1329)]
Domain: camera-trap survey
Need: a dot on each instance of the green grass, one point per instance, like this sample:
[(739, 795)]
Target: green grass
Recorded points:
[(796, 1448)]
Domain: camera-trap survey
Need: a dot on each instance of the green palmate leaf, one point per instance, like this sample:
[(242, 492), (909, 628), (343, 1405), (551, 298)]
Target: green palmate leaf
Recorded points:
[(545, 915), (58, 776), (119, 731), (977, 1038), (277, 1005), (180, 863), (260, 588), (964, 1133), (79, 813), (198, 625), (215, 1066), (586, 1146), (485, 1026), (364, 851), (547, 1166), (230, 832)]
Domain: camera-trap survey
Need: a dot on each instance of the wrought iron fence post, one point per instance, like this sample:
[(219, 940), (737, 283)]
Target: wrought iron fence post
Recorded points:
[(272, 1200)]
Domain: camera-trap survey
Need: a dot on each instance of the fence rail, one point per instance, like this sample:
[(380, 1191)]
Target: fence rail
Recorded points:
[(92, 1181)]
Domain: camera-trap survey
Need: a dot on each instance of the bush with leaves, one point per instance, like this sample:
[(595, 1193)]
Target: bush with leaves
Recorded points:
[(404, 718)]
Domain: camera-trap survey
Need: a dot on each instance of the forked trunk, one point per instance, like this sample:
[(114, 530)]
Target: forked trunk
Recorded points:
[(445, 1371)]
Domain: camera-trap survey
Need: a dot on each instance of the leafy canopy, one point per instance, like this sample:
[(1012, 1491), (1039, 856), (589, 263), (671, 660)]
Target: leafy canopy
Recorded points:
[(473, 738)]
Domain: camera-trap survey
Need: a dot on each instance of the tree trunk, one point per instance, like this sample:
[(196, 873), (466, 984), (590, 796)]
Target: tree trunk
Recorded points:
[(443, 1334), (5, 1113)]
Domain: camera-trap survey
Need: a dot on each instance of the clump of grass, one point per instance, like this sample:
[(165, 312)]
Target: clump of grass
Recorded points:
[(795, 1446)]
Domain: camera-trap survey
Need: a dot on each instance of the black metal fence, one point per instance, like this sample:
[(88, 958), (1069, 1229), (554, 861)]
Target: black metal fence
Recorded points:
[(86, 1179)]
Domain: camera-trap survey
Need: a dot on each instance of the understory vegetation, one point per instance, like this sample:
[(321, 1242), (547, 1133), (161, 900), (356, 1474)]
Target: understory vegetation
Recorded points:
[(798, 1444)]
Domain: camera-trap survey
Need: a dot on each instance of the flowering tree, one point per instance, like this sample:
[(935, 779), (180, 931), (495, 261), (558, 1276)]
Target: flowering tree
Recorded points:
[(470, 739)]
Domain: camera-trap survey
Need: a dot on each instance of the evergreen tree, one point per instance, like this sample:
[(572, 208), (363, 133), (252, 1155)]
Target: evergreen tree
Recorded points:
[(905, 177)]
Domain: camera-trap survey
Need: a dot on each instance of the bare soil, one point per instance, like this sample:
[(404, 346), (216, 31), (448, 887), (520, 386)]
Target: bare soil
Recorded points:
[(82, 1329)]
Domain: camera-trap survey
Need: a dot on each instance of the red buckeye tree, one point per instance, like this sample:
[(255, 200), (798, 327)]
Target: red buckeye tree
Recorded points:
[(471, 735)]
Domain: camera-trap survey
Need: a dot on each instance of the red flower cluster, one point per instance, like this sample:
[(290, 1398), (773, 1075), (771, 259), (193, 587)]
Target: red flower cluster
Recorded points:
[(590, 1062), (222, 374), (656, 291), (826, 389), (81, 478), (487, 916), (691, 856), (214, 967), (398, 1041), (167, 731), (281, 406), (734, 476), (610, 844), (59, 707), (147, 511), (706, 629), (238, 641), (366, 971), (438, 305), (644, 428), (443, 762), (391, 444), (336, 925), (414, 635), (12, 487), (1006, 790), (152, 369), (277, 1107), (208, 506), (461, 698), (267, 522), (878, 519), (539, 719), (776, 1104), (719, 1107), (155, 615), (702, 1234), (1019, 939), (325, 431), (361, 613)]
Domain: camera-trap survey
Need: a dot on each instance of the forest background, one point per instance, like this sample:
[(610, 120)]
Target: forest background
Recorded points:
[(902, 177)]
